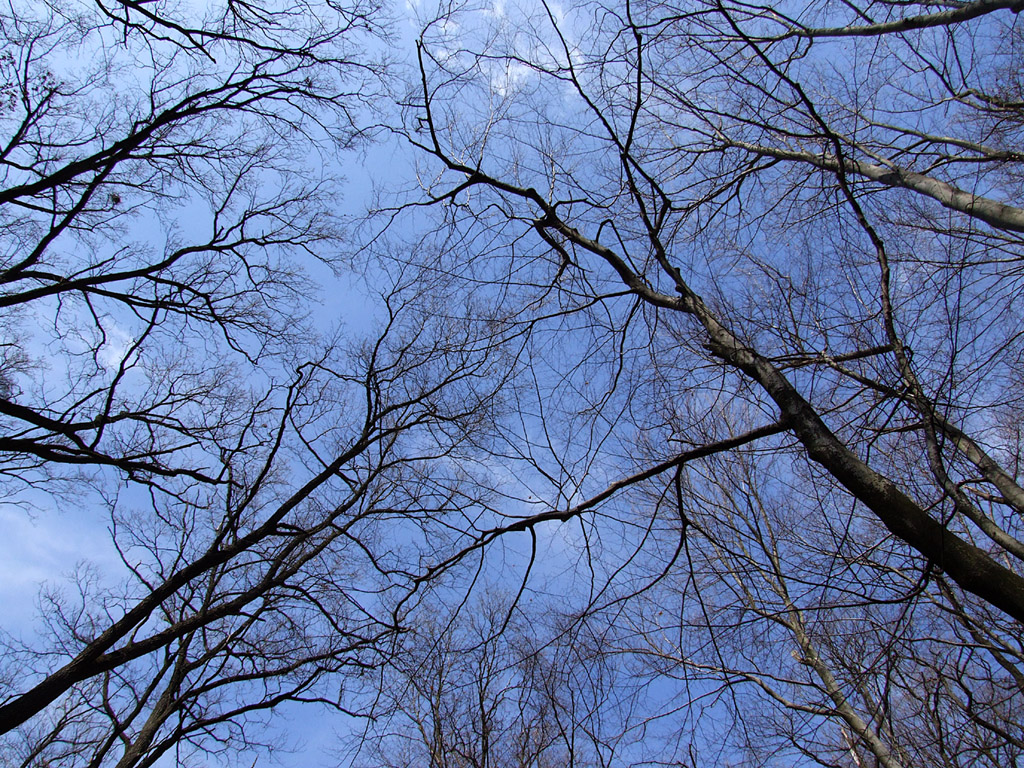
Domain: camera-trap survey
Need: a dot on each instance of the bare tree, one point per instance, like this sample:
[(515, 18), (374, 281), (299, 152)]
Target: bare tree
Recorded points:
[(154, 219), (729, 290), (491, 686), (843, 658), (721, 227), (273, 490)]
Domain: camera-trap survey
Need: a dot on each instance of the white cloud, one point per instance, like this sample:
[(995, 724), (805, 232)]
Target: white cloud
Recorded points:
[(116, 347)]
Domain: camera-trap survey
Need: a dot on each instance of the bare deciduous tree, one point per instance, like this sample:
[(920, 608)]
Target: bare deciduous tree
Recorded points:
[(729, 228), (486, 688), (719, 307), (273, 490)]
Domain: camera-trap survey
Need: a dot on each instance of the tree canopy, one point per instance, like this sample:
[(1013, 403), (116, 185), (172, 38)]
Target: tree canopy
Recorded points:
[(677, 418)]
